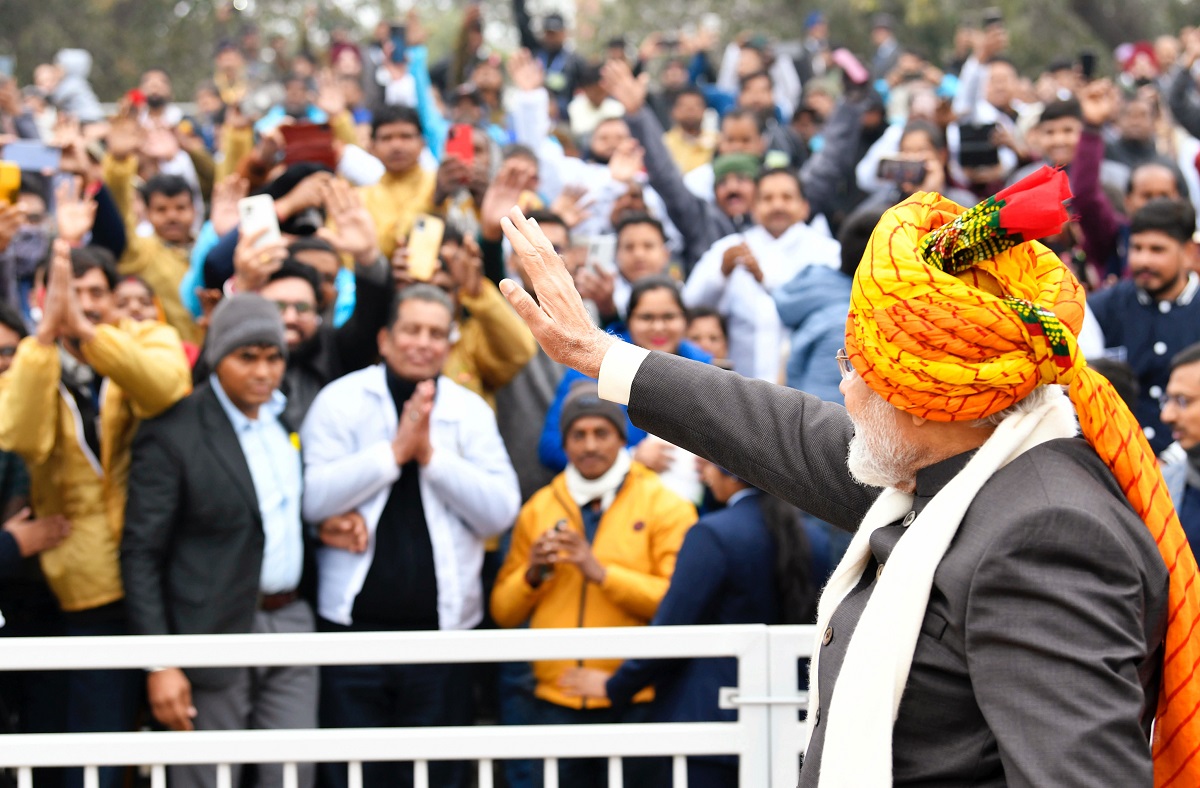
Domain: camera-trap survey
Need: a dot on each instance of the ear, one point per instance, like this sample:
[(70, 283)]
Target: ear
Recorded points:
[(383, 339), (917, 420)]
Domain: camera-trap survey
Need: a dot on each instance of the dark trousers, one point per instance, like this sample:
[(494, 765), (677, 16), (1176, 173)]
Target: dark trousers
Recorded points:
[(400, 696), (33, 701), (101, 700), (711, 774), (593, 772)]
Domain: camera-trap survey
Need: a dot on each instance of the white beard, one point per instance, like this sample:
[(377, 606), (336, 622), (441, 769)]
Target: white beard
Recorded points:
[(878, 455)]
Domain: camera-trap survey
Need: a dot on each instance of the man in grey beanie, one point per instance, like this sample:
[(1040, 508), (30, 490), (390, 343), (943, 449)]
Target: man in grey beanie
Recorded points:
[(213, 540)]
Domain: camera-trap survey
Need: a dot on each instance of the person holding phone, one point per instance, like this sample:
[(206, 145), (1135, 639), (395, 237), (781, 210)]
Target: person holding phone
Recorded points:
[(608, 565)]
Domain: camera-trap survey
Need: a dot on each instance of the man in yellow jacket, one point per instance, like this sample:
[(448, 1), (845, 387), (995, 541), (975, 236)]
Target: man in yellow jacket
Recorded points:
[(595, 548), (70, 405), (161, 259)]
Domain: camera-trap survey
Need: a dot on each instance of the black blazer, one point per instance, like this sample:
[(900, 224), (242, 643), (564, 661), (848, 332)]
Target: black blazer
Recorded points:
[(191, 554)]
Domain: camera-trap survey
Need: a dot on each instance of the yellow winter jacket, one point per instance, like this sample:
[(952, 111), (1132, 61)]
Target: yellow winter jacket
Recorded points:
[(493, 346), (636, 542), (146, 372)]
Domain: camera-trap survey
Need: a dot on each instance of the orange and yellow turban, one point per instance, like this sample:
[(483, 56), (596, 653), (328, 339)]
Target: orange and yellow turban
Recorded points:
[(957, 314)]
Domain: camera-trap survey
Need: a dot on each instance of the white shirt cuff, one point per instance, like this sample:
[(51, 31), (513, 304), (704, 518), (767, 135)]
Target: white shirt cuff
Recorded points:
[(617, 371)]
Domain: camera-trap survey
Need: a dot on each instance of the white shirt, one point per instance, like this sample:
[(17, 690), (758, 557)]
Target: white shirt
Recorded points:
[(468, 490), (756, 334), (274, 465)]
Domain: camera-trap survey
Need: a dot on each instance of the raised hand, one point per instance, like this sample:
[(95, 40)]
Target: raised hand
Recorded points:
[(627, 162), (225, 196), (525, 72), (515, 176), (331, 98), (619, 82), (1097, 102), (11, 219), (355, 234), (466, 267), (558, 319), (570, 205), (58, 290), (253, 263), (75, 214), (125, 138)]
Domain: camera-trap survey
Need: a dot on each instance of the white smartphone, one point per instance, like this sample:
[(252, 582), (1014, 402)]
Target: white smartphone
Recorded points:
[(256, 213), (602, 253)]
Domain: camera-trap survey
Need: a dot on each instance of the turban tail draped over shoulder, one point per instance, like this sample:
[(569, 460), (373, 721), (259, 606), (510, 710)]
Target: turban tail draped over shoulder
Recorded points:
[(957, 314)]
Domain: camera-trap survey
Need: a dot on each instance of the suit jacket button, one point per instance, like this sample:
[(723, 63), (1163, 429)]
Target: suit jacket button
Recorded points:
[(827, 637), (908, 519), (879, 571)]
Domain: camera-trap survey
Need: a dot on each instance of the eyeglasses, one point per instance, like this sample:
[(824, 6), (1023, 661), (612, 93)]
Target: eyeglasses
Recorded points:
[(8, 351), (844, 365), (302, 307), (1181, 401)]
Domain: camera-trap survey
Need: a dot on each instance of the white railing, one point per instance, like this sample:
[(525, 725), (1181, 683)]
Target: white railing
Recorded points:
[(766, 737)]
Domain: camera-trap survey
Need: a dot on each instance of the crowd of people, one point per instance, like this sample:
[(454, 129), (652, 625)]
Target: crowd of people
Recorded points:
[(328, 418)]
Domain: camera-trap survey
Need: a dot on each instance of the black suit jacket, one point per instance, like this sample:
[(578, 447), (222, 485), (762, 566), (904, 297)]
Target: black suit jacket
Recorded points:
[(1040, 654), (191, 554)]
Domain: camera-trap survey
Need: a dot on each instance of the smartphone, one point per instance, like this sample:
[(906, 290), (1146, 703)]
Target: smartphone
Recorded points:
[(901, 170), (710, 23), (425, 246), (1087, 66), (544, 571), (399, 38), (32, 156), (7, 66), (850, 66), (602, 253), (461, 143), (10, 182), (976, 148), (992, 17), (256, 213)]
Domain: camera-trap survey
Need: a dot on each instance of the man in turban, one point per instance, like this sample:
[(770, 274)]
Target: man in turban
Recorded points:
[(1029, 594)]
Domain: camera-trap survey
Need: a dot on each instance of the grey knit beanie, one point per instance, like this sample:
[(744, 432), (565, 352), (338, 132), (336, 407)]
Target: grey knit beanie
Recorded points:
[(584, 400), (239, 321)]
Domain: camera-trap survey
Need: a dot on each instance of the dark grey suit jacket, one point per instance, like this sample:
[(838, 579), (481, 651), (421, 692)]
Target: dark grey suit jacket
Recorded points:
[(191, 553), (1040, 653)]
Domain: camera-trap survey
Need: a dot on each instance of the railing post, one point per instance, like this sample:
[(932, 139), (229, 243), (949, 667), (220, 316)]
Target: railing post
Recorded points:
[(753, 680), (788, 644)]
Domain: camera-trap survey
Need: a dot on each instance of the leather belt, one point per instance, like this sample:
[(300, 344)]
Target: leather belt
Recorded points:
[(272, 602)]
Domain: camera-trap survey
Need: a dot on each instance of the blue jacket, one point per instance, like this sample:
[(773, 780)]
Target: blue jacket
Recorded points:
[(550, 447), (724, 574), (814, 306)]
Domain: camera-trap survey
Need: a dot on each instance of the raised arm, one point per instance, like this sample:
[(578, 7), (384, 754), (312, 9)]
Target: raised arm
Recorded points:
[(786, 442)]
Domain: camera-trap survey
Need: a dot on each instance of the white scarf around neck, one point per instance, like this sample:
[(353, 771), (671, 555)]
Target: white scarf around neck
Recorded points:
[(604, 487), (857, 751)]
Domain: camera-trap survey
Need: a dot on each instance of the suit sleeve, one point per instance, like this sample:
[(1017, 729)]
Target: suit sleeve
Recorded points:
[(150, 513), (784, 441), (1077, 587)]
